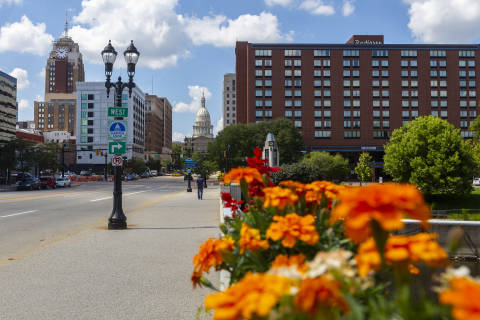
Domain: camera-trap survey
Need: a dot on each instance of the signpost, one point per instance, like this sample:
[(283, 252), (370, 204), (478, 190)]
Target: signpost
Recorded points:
[(117, 161), (117, 130), (118, 112), (190, 164), (117, 147)]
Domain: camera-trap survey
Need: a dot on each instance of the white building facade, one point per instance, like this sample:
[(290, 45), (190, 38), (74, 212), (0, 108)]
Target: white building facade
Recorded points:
[(93, 120), (229, 100), (57, 136)]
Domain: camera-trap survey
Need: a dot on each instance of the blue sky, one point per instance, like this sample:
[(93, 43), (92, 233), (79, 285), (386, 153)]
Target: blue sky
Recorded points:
[(186, 46)]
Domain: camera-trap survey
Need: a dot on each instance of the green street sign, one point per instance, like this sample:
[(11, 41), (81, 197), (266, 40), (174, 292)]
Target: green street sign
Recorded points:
[(117, 147), (118, 112)]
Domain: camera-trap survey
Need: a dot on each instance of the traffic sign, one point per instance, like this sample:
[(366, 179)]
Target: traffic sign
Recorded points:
[(117, 147), (117, 161), (117, 112), (117, 130), (189, 163)]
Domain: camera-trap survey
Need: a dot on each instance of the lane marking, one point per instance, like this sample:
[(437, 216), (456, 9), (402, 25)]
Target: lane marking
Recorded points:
[(129, 194), (126, 194), (17, 214), (100, 199)]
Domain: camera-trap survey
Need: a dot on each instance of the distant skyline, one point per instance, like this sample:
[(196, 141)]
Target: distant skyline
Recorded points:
[(187, 46)]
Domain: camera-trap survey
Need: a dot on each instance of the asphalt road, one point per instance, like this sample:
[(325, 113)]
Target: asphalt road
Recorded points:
[(28, 218)]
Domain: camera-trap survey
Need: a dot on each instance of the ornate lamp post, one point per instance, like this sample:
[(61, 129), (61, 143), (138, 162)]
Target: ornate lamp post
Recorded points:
[(118, 220)]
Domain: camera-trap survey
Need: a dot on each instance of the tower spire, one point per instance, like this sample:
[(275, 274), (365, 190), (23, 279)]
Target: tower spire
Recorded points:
[(203, 99), (66, 23)]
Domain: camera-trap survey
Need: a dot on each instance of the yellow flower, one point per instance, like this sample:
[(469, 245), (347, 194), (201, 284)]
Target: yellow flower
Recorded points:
[(317, 189), (319, 293), (279, 197), (464, 297), (298, 187), (250, 239), (367, 257), (239, 174), (283, 260), (210, 255), (293, 227), (386, 203), (253, 296)]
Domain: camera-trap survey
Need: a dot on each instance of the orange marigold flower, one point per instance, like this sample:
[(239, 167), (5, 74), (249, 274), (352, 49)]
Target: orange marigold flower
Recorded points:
[(250, 239), (367, 257), (279, 197), (401, 250), (315, 294), (316, 190), (463, 296), (386, 203), (247, 174), (255, 295), (298, 187), (293, 227), (283, 260), (210, 255)]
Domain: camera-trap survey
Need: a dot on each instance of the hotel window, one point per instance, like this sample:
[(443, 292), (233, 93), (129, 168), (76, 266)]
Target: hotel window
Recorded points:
[(404, 73), (443, 93), (376, 83), (268, 73), (355, 63), (471, 74), (298, 93), (413, 63), (379, 53), (298, 124), (259, 113), (297, 63), (414, 103), (288, 73), (267, 63), (347, 103), (327, 103), (346, 73), (472, 113), (317, 63), (471, 83), (376, 114), (258, 93), (463, 114), (326, 83), (84, 106), (293, 53), (433, 93), (268, 103), (385, 103), (413, 73), (376, 93), (385, 83), (414, 83), (356, 113), (356, 123), (321, 53), (356, 83), (347, 124), (463, 93), (356, 73), (462, 73), (297, 73), (326, 73), (268, 83), (263, 53), (258, 83), (443, 73), (288, 93), (404, 63), (462, 63), (375, 73), (268, 93), (317, 83), (405, 104), (84, 122), (268, 113), (434, 113), (443, 83), (298, 83), (375, 63), (463, 103), (471, 63), (322, 134), (356, 103), (433, 73), (317, 103), (258, 73), (463, 124), (327, 124), (409, 53), (317, 113), (384, 63), (351, 53), (327, 113), (442, 63), (288, 103), (385, 93), (297, 103), (351, 134), (376, 103), (385, 113), (376, 123), (444, 114), (443, 103), (318, 124), (258, 63), (346, 63), (346, 93), (326, 63), (346, 83), (472, 103), (405, 114), (437, 53), (356, 93), (259, 103), (317, 73), (318, 93), (386, 123), (288, 63), (466, 53), (326, 93), (347, 114), (414, 113)]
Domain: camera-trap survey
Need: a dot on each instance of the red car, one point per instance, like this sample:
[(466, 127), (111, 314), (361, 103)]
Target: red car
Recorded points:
[(47, 182)]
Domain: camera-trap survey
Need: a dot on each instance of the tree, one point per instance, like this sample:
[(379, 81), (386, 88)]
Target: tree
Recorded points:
[(177, 161), (205, 167), (430, 153), (304, 172), (363, 169), (136, 165), (244, 138), (329, 167)]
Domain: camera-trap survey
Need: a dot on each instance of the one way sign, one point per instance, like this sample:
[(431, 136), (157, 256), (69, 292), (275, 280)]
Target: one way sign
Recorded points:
[(117, 147)]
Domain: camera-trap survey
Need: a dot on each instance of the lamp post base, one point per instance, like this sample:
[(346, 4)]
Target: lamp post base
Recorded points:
[(117, 224)]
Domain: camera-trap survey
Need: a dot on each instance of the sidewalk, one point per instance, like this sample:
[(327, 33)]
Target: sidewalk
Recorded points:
[(139, 273)]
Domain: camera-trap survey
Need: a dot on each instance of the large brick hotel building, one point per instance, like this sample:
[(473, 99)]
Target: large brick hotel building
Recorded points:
[(350, 97)]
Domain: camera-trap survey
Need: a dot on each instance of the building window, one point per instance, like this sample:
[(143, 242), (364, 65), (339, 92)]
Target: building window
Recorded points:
[(351, 134), (293, 53), (298, 123), (321, 53), (323, 134), (351, 53), (263, 53), (288, 113), (379, 53)]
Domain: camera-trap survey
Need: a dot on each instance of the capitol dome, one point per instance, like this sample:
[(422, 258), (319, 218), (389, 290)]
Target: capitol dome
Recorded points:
[(202, 125)]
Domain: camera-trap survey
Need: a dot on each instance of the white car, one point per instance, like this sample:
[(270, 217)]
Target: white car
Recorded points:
[(63, 182), (476, 181)]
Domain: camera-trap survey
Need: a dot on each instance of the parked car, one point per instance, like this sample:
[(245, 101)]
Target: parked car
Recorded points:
[(476, 181), (63, 182), (154, 173), (86, 172), (132, 176), (47, 182), (145, 175), (29, 184)]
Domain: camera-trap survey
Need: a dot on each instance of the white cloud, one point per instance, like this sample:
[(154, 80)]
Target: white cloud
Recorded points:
[(154, 26), (178, 136), (23, 104), (41, 74), (38, 98), (444, 21), (8, 2), (282, 3), (195, 92), (348, 8), (219, 126), (317, 7), (24, 36), (223, 32), (22, 78)]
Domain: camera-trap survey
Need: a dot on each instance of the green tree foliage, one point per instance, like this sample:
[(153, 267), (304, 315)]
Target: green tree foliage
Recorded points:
[(243, 139), (154, 164), (304, 172), (177, 161), (48, 157), (205, 167), (363, 169), (136, 165), (330, 167), (430, 153)]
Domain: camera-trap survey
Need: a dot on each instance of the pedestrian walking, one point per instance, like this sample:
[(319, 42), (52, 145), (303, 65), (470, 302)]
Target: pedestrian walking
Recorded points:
[(200, 182)]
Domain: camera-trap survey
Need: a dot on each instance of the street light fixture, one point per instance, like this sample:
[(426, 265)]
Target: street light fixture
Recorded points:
[(118, 220)]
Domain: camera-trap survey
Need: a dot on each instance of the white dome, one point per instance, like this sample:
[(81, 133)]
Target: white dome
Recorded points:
[(203, 125), (202, 116)]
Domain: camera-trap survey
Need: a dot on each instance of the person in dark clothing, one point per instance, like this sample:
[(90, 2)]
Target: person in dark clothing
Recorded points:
[(200, 182)]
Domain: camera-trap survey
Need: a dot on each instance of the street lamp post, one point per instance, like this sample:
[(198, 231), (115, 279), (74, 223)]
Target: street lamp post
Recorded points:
[(117, 219)]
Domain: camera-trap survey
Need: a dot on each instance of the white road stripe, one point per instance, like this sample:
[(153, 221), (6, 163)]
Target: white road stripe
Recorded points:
[(126, 194), (100, 199), (17, 214)]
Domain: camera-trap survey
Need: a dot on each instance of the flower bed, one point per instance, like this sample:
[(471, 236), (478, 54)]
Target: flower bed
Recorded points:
[(324, 251)]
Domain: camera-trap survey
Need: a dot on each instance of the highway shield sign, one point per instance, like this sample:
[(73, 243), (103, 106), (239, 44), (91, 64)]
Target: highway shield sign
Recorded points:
[(117, 147)]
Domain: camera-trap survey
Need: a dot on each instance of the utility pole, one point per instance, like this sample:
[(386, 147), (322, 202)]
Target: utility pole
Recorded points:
[(106, 177), (63, 160)]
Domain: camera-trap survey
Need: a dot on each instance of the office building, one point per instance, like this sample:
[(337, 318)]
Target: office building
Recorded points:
[(64, 68), (158, 127), (8, 107), (93, 122), (229, 99), (350, 97)]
